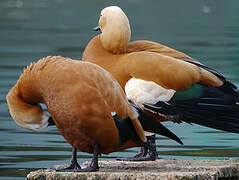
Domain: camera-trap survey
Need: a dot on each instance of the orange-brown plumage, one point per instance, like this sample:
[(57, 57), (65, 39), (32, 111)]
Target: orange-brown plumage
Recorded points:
[(79, 96), (142, 59), (163, 82), (167, 71)]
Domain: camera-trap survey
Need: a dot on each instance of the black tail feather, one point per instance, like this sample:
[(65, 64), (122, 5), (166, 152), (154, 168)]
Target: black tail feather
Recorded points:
[(215, 109), (151, 125)]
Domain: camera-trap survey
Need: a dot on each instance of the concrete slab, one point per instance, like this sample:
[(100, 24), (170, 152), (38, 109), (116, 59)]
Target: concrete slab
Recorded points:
[(151, 170)]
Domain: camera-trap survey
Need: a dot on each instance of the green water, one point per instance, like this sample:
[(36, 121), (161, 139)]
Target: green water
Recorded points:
[(207, 30)]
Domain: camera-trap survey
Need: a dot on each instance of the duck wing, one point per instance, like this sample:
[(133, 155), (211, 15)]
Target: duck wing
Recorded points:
[(150, 46), (202, 95)]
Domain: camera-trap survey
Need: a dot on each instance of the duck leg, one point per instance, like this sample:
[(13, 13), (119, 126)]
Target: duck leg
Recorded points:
[(74, 166), (142, 153), (94, 166), (149, 147)]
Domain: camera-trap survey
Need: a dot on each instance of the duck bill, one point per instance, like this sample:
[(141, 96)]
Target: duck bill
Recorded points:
[(97, 28)]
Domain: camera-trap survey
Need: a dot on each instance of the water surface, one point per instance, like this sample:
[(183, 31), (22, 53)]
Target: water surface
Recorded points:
[(30, 29)]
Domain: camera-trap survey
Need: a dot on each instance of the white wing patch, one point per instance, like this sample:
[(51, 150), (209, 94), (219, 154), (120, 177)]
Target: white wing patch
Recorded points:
[(113, 113), (140, 91)]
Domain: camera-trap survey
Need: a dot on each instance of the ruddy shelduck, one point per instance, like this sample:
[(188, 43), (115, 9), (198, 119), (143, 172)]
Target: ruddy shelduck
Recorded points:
[(162, 81), (85, 102)]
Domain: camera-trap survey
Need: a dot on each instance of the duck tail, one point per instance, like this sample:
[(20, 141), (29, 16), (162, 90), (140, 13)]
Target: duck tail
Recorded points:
[(218, 108), (151, 125)]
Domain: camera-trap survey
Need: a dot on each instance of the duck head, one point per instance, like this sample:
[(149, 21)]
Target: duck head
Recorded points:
[(115, 29)]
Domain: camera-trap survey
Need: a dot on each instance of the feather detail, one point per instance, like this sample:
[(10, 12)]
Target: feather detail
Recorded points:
[(150, 46), (87, 116), (214, 109), (171, 70), (140, 91)]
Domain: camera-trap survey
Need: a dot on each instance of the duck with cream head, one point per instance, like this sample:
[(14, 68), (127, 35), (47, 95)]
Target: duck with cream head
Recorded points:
[(85, 102), (163, 82)]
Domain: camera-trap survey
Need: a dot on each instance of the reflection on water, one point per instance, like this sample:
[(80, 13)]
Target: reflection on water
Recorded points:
[(31, 29)]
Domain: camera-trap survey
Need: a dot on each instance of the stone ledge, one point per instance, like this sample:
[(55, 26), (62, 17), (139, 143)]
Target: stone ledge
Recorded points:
[(160, 169)]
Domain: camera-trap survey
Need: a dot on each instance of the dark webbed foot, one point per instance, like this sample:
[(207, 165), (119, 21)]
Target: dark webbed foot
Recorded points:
[(87, 169), (149, 148), (94, 166), (143, 153), (71, 168), (74, 166)]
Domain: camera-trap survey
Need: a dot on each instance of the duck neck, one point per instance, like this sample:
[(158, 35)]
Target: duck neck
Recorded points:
[(23, 101)]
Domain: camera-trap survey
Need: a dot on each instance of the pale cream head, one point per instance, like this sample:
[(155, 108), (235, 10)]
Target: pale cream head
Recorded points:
[(115, 28)]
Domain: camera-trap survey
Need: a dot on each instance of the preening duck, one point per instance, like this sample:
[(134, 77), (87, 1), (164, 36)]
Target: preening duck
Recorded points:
[(163, 82), (85, 102)]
